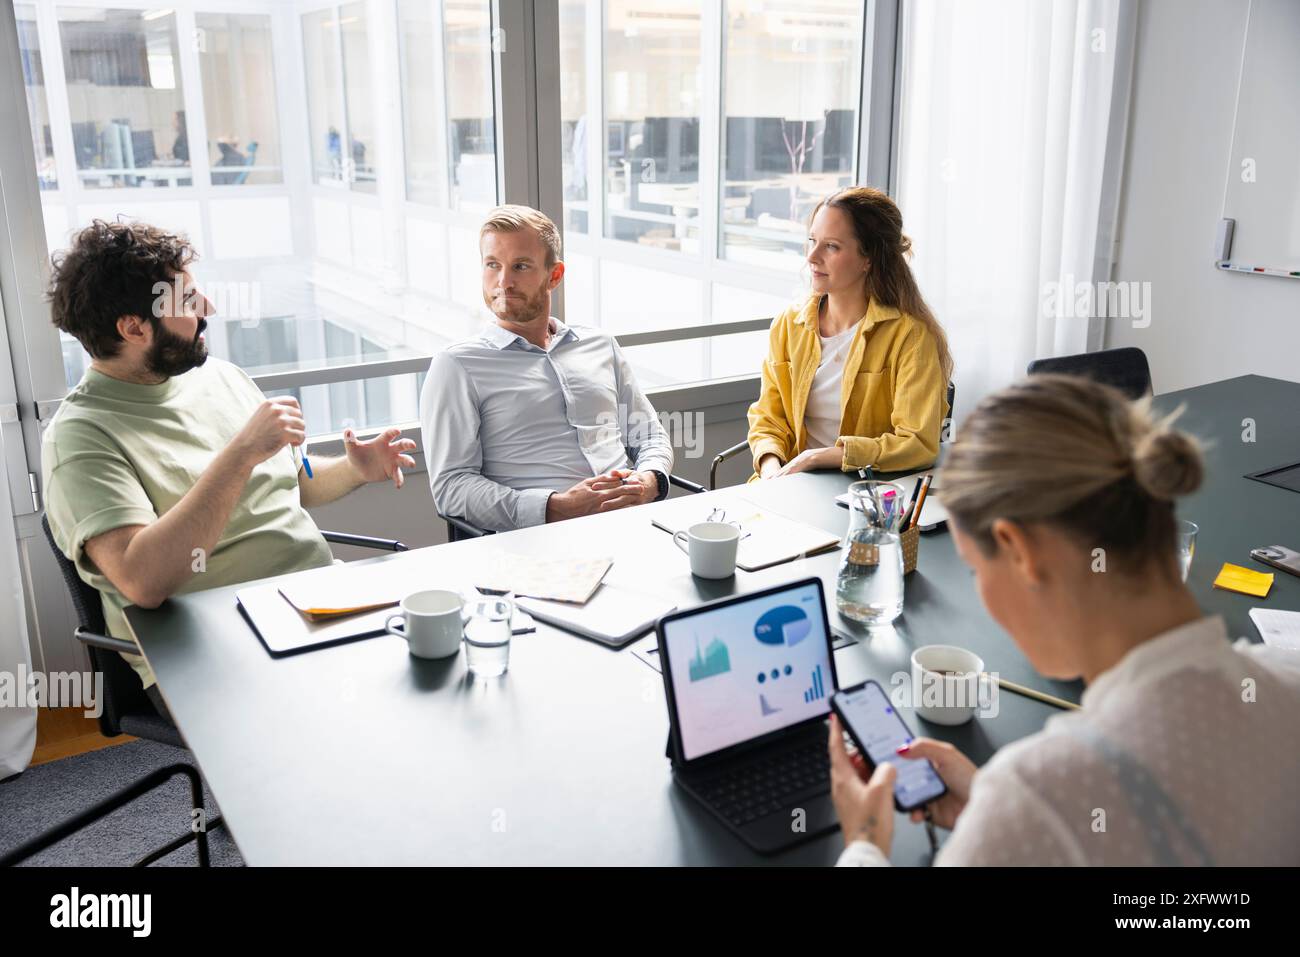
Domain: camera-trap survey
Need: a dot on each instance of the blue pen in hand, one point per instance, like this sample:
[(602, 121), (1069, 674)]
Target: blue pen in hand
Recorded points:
[(306, 464)]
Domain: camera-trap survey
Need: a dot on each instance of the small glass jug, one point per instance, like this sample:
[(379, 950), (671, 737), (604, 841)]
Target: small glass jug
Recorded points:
[(869, 587)]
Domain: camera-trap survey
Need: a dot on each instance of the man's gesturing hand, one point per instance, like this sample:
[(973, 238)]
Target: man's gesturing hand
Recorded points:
[(381, 457)]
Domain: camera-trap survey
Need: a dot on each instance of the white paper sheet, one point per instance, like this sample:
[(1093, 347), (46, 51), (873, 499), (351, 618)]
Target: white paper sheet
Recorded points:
[(1280, 629)]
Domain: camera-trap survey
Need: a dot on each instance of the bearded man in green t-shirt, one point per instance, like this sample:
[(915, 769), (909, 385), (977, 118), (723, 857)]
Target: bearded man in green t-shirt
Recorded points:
[(167, 471)]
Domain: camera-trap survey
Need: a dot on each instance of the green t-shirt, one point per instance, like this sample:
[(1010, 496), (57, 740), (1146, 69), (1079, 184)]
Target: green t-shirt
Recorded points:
[(118, 453)]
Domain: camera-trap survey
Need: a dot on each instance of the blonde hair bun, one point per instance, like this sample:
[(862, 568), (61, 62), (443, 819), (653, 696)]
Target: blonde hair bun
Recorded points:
[(1167, 463)]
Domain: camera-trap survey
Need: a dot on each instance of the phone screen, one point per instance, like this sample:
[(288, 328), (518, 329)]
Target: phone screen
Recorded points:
[(878, 730)]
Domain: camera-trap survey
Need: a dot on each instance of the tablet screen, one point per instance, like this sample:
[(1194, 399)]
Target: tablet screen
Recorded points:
[(750, 668)]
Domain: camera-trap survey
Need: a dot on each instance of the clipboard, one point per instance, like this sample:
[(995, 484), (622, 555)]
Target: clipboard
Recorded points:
[(283, 631)]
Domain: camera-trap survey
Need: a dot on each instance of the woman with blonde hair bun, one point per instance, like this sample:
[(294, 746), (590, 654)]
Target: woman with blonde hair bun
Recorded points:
[(1061, 495)]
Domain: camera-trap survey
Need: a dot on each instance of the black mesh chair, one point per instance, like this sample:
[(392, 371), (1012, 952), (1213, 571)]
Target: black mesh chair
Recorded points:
[(1126, 369), (742, 446), (459, 529), (126, 709)]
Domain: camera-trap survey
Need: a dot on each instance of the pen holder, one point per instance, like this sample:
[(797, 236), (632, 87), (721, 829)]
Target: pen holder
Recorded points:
[(911, 541)]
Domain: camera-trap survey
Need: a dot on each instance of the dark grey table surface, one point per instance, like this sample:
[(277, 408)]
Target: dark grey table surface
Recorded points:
[(362, 754)]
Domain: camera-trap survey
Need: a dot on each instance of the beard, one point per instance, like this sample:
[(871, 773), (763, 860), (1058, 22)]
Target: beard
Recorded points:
[(173, 355), (518, 310)]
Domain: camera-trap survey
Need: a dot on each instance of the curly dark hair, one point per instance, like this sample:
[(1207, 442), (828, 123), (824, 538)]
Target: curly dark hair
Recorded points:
[(110, 271)]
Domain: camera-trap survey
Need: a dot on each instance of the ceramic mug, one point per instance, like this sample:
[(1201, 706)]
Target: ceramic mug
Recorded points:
[(712, 548), (430, 622), (948, 684)]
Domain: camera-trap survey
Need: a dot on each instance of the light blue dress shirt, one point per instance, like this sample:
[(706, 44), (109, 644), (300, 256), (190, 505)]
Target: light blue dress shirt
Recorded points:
[(506, 423)]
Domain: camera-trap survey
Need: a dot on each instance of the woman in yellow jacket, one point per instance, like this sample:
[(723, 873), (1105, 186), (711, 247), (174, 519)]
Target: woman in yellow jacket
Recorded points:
[(858, 375)]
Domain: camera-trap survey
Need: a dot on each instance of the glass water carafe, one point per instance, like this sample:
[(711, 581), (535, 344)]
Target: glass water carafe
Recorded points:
[(869, 588)]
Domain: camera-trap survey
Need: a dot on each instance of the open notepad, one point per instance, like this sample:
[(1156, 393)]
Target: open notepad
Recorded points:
[(770, 538)]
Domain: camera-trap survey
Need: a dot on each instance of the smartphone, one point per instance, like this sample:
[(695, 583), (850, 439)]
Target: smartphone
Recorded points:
[(1279, 556), (877, 730)]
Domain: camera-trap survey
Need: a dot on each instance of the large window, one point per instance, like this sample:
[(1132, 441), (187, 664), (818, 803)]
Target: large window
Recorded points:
[(447, 103), (652, 122), (359, 95), (236, 63), (125, 97), (333, 159), (724, 124), (423, 111), (38, 107), (468, 41), (696, 135), (790, 134), (574, 115)]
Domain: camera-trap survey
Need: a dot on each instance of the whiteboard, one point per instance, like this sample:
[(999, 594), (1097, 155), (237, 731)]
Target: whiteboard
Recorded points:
[(1263, 184)]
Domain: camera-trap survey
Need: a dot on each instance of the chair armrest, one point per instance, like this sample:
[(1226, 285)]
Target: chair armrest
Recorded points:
[(465, 528), (87, 637), (722, 457), (686, 484), (364, 541)]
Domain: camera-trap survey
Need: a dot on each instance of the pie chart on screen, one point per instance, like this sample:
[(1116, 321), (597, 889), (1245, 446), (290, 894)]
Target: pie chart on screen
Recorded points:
[(784, 625)]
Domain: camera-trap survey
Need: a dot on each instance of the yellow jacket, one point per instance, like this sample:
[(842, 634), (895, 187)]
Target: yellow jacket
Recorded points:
[(893, 398)]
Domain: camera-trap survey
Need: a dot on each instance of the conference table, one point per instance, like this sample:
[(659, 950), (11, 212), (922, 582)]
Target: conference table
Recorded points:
[(362, 754)]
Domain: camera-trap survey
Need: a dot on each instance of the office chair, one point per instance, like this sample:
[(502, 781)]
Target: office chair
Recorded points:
[(125, 708), (1126, 369), (458, 529), (742, 446)]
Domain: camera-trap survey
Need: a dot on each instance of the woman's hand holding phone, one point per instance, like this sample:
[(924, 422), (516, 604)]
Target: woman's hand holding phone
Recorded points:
[(864, 800), (864, 806), (957, 772)]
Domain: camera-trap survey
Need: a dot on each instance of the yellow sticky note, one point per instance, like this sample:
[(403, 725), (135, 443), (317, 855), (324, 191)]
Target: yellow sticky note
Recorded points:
[(1245, 580)]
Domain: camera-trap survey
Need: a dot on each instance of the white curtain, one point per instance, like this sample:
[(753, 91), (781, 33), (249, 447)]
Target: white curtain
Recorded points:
[(17, 725), (1005, 112)]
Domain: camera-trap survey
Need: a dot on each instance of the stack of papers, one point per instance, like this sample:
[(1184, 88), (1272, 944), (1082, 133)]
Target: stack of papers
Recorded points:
[(1248, 582), (568, 579)]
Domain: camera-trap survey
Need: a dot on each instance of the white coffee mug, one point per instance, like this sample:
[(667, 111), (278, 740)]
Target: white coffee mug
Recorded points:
[(947, 683), (430, 622), (712, 547)]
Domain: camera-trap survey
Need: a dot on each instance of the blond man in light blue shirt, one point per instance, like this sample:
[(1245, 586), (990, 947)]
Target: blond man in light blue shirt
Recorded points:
[(531, 420)]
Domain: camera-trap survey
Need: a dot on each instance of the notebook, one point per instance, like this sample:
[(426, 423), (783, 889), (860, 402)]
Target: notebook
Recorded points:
[(286, 632), (323, 595), (770, 538), (613, 616)]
